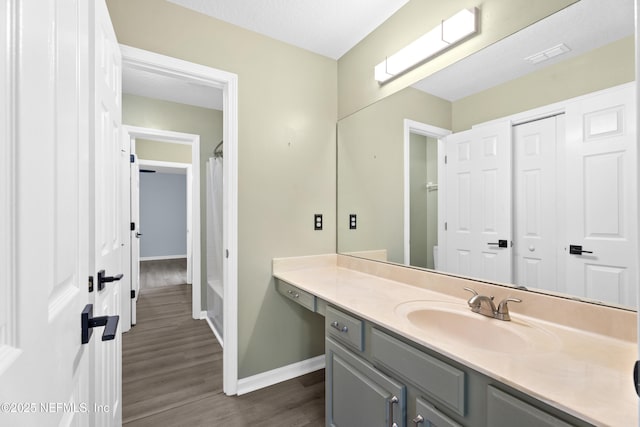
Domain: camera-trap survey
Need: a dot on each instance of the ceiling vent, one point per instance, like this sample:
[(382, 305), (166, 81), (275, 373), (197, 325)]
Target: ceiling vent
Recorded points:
[(548, 53)]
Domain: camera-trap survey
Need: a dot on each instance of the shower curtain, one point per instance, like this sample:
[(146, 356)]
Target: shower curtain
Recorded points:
[(215, 294)]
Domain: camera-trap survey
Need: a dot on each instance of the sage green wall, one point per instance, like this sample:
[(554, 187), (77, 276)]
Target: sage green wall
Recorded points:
[(498, 19), (165, 115), (287, 110), (162, 151), (599, 69), (370, 169)]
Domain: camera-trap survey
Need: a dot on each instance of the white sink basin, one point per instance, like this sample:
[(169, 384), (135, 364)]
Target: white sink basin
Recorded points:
[(456, 323)]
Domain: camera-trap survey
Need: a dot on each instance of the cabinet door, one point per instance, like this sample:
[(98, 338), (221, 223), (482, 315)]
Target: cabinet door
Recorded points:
[(505, 410), (427, 415), (358, 395)]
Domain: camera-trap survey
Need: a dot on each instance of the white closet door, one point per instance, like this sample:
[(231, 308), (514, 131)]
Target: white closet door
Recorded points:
[(537, 221), (601, 197), (478, 202)]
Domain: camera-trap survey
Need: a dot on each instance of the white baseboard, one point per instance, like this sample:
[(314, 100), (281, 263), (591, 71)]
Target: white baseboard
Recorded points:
[(161, 257), (213, 329), (275, 376)]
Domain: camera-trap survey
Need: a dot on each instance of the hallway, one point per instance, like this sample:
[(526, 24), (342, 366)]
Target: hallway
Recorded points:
[(172, 374)]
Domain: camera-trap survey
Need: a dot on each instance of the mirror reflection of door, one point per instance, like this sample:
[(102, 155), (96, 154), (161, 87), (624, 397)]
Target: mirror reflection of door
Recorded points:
[(423, 175)]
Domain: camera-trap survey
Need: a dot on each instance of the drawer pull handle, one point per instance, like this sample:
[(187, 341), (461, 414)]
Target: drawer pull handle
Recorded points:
[(293, 294), (337, 326), (418, 420), (392, 401)]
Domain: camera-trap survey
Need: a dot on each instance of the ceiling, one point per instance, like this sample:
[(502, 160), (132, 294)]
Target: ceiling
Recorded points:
[(327, 27), (332, 27), (582, 27)]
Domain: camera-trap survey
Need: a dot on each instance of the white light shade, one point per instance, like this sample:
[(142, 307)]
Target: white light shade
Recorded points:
[(451, 31)]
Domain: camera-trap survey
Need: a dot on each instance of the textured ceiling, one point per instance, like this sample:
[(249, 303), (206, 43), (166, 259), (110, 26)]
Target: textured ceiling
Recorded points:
[(326, 27)]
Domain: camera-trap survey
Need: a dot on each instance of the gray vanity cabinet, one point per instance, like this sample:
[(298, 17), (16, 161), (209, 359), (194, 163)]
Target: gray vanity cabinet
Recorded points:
[(505, 410), (358, 395), (428, 416)]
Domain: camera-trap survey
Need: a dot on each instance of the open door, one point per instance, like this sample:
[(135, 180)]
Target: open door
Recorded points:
[(110, 166), (44, 220), (135, 236), (602, 223)]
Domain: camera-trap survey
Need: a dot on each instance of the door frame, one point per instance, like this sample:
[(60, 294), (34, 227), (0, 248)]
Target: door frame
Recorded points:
[(412, 126), (228, 83)]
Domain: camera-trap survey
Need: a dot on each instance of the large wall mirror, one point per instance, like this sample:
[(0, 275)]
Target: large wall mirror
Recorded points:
[(393, 187)]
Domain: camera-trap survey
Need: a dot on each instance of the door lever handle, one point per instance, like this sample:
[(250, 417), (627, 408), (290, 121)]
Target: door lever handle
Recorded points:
[(138, 234), (577, 250), (102, 279), (500, 244), (88, 322)]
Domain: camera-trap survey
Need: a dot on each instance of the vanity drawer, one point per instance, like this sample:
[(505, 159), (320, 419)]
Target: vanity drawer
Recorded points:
[(429, 374), (303, 298), (345, 328)]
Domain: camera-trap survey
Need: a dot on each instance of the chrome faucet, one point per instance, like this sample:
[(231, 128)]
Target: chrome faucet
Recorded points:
[(484, 305)]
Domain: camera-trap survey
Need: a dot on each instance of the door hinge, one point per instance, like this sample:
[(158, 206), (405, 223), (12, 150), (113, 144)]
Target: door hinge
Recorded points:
[(132, 158), (226, 251), (445, 226), (445, 160), (90, 283), (133, 226), (133, 293)]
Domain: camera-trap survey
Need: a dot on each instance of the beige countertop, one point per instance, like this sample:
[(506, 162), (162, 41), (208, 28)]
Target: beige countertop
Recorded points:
[(584, 373)]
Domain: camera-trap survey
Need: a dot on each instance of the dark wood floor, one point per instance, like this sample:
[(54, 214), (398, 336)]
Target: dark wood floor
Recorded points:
[(164, 272), (172, 375)]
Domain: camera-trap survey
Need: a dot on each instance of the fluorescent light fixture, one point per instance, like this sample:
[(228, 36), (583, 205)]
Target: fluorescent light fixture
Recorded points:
[(449, 32)]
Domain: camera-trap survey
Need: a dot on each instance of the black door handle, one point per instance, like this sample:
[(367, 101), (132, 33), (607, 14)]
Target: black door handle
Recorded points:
[(102, 279), (577, 250), (138, 234), (500, 244), (89, 322)]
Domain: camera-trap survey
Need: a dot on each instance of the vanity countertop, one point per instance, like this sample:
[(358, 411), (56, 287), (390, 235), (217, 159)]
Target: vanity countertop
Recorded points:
[(588, 375)]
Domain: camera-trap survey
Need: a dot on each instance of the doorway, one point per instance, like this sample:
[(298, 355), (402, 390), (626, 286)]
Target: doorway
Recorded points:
[(420, 236), (227, 83)]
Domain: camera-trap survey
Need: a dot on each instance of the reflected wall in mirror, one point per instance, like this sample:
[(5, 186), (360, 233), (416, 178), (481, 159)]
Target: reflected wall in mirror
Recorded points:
[(384, 174)]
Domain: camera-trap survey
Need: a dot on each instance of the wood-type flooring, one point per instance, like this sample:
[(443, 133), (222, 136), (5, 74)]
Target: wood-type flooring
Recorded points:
[(172, 374)]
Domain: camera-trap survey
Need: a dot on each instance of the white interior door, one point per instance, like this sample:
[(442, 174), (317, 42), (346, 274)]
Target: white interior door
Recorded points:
[(44, 368), (111, 212), (602, 197), (538, 210), (478, 202), (134, 238)]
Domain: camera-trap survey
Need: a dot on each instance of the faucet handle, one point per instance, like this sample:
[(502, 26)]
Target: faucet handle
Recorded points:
[(502, 312), (472, 291)]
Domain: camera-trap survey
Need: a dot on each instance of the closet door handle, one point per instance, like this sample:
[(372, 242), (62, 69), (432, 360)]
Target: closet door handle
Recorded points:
[(138, 234), (500, 244), (577, 250)]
